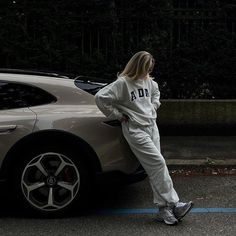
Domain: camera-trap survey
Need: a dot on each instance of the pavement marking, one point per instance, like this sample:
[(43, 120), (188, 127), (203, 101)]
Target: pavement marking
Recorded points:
[(154, 211), (213, 210)]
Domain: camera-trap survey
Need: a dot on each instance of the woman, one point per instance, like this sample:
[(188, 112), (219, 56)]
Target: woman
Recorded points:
[(133, 99)]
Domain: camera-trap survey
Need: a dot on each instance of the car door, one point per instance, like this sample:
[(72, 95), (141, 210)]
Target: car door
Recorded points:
[(16, 119)]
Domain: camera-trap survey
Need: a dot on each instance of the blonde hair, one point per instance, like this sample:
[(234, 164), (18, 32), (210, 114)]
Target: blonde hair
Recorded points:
[(140, 64)]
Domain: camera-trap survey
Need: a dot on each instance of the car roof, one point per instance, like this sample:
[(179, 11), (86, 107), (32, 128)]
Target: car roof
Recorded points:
[(62, 88), (33, 79), (32, 72)]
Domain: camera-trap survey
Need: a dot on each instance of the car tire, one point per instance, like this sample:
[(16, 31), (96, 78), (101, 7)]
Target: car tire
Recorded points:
[(50, 180)]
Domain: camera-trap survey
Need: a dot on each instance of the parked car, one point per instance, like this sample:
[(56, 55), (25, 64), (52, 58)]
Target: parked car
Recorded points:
[(54, 142)]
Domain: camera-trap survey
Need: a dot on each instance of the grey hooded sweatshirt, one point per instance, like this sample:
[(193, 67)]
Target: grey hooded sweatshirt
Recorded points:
[(138, 99)]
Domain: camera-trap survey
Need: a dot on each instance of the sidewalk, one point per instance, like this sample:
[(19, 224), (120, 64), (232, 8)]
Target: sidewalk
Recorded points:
[(199, 150)]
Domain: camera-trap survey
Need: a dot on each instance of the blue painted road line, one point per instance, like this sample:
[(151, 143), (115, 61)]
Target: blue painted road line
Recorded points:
[(213, 210), (154, 211)]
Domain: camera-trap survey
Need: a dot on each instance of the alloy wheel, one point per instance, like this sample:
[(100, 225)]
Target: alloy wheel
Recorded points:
[(50, 181)]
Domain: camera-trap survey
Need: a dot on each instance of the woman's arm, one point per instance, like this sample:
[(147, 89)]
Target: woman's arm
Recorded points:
[(107, 97), (155, 95)]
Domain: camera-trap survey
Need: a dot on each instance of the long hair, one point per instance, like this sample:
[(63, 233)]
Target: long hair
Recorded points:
[(140, 64)]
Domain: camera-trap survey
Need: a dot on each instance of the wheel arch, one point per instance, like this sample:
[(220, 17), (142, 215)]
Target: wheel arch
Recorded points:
[(53, 137)]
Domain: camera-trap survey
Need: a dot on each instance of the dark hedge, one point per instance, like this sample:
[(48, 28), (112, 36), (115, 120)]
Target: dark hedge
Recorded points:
[(192, 41)]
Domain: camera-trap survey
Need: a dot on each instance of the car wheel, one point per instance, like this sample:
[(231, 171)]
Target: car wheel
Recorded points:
[(51, 181)]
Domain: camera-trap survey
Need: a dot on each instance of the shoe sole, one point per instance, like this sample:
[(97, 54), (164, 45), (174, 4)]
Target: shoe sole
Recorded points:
[(186, 212), (166, 222)]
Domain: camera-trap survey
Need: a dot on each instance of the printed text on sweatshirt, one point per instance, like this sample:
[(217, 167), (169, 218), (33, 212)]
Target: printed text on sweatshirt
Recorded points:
[(138, 99)]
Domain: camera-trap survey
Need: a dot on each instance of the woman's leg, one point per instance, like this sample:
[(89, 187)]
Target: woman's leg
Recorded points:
[(141, 143)]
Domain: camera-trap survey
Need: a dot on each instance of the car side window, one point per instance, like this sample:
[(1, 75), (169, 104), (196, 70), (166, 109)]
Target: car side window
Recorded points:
[(90, 87), (16, 95)]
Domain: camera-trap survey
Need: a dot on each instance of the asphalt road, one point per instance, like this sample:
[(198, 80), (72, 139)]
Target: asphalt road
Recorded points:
[(130, 211)]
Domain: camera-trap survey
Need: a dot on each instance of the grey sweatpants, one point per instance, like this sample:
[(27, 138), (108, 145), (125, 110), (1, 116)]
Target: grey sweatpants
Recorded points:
[(144, 141)]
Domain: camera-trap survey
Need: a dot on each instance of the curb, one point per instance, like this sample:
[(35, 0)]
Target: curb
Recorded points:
[(201, 162), (202, 167)]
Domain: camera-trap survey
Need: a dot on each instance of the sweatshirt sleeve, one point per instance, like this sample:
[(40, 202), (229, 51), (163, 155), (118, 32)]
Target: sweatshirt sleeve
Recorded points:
[(107, 97), (155, 95)]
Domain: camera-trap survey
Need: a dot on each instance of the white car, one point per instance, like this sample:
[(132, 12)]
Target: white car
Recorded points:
[(54, 142)]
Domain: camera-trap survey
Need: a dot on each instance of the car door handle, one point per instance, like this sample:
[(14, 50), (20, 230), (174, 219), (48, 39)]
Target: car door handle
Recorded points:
[(7, 128)]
